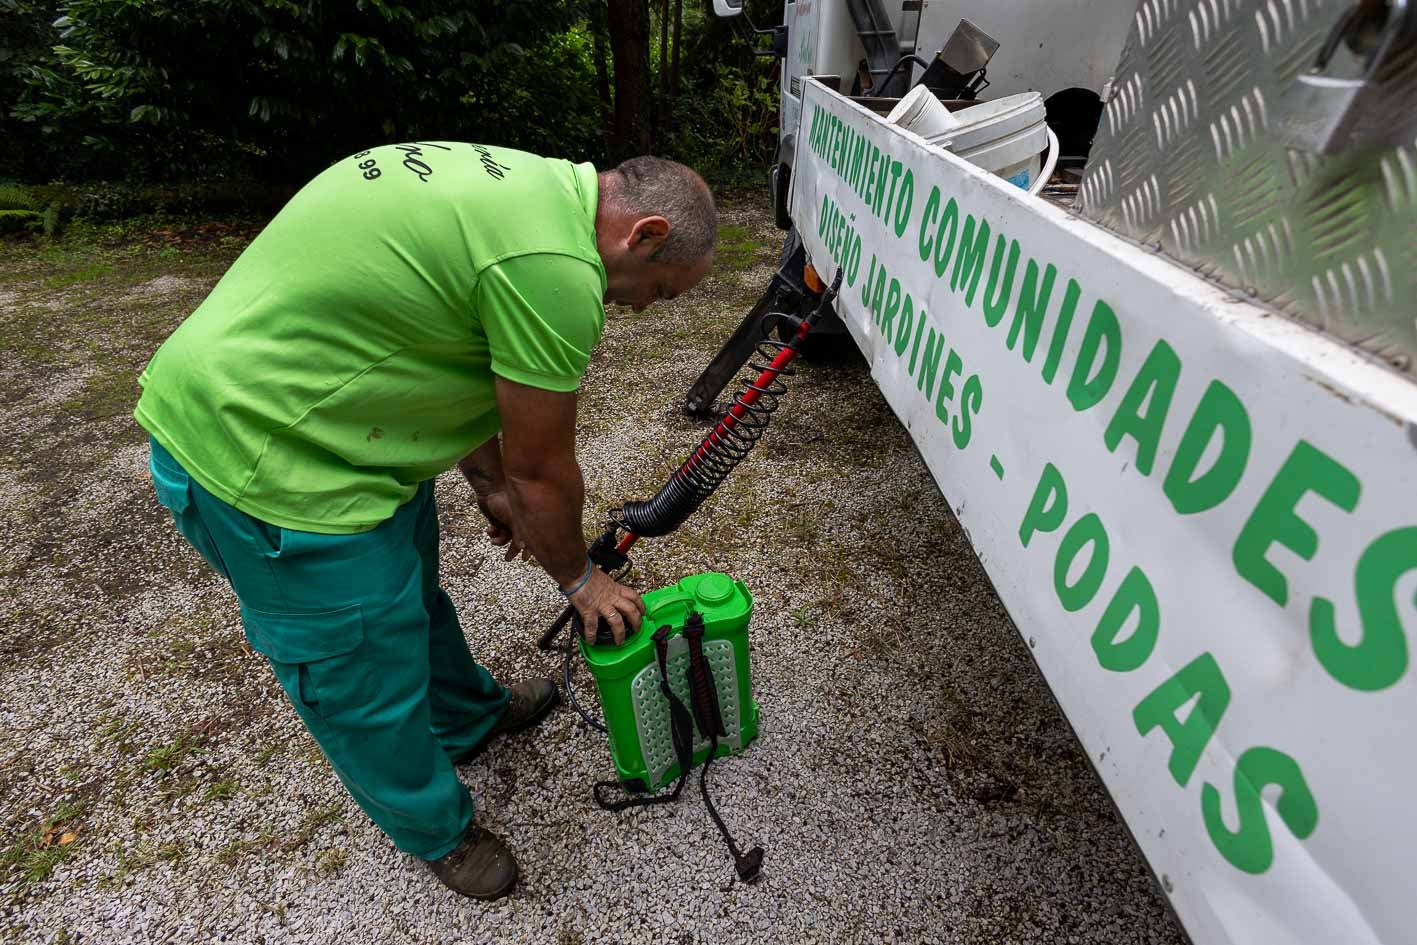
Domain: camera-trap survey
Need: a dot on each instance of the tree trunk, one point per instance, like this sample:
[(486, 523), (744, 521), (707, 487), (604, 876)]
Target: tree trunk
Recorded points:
[(663, 60), (628, 21), (602, 70), (674, 67)]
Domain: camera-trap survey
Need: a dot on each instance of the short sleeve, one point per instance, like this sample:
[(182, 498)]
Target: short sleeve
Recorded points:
[(542, 313)]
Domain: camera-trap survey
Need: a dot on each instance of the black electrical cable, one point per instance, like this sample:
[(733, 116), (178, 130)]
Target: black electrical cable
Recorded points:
[(908, 57), (703, 694)]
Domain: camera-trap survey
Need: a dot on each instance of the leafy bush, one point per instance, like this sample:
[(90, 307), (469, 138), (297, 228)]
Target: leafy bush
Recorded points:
[(731, 129), (178, 106), (163, 89), (19, 221), (542, 99), (27, 38), (15, 197)]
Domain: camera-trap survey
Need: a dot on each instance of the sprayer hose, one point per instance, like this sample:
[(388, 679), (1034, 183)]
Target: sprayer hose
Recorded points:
[(731, 439)]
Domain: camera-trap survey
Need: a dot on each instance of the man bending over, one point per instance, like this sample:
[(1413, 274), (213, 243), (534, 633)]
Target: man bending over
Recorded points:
[(415, 307)]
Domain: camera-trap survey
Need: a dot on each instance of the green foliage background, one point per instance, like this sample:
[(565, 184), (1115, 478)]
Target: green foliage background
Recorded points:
[(156, 95)]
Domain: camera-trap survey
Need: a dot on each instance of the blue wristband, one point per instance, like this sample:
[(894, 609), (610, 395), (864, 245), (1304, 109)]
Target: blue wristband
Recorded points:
[(584, 578)]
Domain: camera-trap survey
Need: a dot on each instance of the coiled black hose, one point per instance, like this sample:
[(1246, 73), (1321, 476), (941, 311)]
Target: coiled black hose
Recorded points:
[(723, 449)]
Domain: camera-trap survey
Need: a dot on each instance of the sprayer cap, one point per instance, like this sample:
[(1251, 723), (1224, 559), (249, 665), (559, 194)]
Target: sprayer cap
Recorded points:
[(714, 588)]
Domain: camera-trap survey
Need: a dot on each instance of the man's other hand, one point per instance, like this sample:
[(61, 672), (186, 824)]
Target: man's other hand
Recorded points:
[(498, 510), (604, 598)]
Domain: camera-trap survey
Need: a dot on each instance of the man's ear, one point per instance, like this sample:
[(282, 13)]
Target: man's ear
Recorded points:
[(648, 235)]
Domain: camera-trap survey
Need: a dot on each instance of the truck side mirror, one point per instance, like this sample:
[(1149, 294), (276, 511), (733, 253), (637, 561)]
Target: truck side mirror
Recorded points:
[(727, 7)]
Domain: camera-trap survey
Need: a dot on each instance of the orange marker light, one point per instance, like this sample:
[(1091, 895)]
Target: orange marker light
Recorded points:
[(814, 281)]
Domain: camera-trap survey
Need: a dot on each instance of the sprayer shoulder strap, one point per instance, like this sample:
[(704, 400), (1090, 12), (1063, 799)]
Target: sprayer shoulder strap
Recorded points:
[(703, 693), (681, 733)]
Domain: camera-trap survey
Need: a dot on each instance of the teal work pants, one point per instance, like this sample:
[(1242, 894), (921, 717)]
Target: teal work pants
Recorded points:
[(366, 645)]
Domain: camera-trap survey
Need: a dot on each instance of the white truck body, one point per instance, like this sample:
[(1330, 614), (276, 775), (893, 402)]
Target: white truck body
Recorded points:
[(1200, 513), (1043, 47)]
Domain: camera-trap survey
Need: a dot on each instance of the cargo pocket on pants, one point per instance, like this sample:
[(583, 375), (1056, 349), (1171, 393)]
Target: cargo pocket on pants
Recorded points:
[(171, 486), (174, 492), (306, 653)]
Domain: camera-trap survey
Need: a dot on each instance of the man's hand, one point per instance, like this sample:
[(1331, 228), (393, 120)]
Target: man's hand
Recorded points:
[(604, 598), (497, 507), (483, 469)]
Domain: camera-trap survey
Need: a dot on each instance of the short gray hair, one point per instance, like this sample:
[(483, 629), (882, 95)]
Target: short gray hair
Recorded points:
[(651, 186)]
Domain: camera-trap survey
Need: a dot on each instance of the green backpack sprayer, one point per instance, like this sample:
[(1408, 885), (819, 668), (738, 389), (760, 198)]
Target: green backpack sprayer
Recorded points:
[(707, 620), (681, 695)]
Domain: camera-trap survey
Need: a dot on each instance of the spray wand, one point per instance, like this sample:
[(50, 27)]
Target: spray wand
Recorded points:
[(735, 434), (731, 439)]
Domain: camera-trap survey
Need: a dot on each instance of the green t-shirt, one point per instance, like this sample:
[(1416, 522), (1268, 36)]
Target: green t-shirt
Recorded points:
[(349, 353)]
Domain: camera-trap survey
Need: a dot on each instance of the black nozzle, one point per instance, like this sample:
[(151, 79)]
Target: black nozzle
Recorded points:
[(749, 865)]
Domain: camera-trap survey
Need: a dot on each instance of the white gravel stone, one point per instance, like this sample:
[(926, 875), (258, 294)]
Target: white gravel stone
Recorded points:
[(913, 782)]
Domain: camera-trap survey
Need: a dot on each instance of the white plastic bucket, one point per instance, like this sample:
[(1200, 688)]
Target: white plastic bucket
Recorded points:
[(921, 112), (1004, 137)]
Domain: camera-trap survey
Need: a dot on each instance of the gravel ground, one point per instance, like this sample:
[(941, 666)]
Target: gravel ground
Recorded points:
[(914, 781)]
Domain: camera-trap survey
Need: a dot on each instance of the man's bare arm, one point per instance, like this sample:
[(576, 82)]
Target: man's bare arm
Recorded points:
[(547, 495), (483, 468), (542, 476)]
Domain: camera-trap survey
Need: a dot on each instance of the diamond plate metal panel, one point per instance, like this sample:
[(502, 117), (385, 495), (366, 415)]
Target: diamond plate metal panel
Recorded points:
[(1184, 161)]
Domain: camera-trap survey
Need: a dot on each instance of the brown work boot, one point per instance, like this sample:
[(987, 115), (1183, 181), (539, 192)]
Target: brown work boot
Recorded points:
[(481, 866), (531, 700)]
